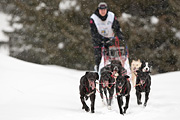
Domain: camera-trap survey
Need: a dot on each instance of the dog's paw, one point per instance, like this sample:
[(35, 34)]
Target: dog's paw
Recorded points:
[(145, 104), (86, 97), (109, 107), (103, 102), (139, 103), (121, 113), (125, 108), (92, 111), (87, 109)]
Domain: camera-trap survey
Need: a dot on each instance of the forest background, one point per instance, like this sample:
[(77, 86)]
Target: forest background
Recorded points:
[(57, 31)]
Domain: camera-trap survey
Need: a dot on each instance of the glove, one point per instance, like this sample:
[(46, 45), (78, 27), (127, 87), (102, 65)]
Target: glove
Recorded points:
[(105, 39), (110, 40)]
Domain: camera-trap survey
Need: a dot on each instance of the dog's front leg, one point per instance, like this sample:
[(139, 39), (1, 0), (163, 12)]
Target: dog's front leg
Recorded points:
[(111, 92), (101, 92), (105, 92), (138, 94), (127, 103), (92, 98), (146, 98), (84, 104), (133, 79), (120, 103)]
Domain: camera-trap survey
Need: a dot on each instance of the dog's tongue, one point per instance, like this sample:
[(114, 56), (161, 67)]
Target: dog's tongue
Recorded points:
[(106, 83), (134, 69), (115, 74), (92, 84), (142, 82)]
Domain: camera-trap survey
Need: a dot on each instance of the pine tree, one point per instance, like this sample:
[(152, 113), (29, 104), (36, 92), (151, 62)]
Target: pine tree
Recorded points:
[(49, 35)]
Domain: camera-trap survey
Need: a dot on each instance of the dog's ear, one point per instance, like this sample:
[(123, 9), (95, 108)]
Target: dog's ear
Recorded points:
[(86, 73), (110, 74), (142, 61), (120, 63), (126, 76), (97, 76), (151, 63), (138, 71)]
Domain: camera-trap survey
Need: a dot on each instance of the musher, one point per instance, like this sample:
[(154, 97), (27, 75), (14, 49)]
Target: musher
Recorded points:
[(104, 26)]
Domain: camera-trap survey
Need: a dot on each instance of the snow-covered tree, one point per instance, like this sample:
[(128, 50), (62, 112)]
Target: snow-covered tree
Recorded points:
[(57, 31)]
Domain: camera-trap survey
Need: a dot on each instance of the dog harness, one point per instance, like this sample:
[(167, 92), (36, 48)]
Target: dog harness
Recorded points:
[(121, 92), (141, 84)]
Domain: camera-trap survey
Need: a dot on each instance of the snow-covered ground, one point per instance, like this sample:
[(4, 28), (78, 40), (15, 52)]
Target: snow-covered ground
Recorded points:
[(35, 92)]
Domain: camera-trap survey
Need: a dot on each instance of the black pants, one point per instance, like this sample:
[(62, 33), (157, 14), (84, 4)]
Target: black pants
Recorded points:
[(97, 51)]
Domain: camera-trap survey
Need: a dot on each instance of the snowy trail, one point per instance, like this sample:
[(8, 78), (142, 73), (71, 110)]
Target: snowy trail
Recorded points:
[(36, 92)]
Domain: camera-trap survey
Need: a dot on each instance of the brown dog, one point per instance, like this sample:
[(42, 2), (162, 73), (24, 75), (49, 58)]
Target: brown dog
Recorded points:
[(135, 65)]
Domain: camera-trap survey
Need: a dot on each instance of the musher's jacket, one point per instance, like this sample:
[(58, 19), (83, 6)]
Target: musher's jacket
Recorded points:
[(104, 27)]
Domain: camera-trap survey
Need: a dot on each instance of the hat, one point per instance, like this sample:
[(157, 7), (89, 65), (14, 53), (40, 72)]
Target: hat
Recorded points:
[(102, 5)]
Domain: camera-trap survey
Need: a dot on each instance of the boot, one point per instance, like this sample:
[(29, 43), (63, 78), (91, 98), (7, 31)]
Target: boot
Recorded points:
[(96, 68)]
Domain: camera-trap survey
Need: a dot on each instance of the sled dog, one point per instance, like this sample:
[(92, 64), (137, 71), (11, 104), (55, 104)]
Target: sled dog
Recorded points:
[(87, 88), (143, 84), (135, 65)]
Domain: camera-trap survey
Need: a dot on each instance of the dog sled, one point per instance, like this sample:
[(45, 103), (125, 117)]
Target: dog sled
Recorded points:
[(118, 51)]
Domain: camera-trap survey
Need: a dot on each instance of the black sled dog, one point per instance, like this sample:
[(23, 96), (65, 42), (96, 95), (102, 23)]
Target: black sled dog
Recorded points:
[(123, 88), (106, 83), (87, 89), (143, 84)]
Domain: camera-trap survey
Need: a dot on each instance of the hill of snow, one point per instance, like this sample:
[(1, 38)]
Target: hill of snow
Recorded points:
[(36, 92)]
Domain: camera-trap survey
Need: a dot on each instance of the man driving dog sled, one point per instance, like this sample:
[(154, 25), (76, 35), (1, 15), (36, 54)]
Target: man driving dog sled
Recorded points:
[(104, 26)]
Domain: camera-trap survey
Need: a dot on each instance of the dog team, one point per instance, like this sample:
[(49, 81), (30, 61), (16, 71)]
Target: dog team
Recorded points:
[(116, 82)]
